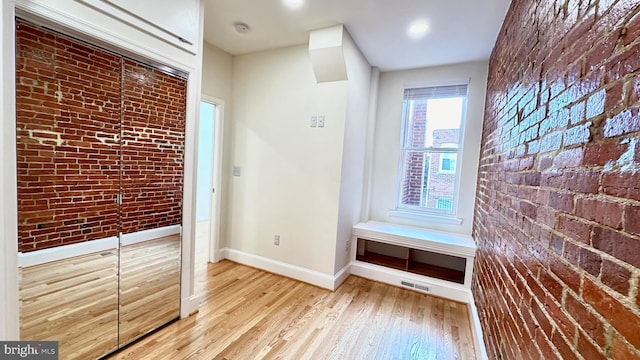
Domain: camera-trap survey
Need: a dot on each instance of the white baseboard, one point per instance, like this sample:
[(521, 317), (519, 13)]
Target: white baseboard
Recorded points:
[(38, 257), (281, 268), (341, 276), (476, 328), (219, 255), (437, 287), (189, 305), (144, 235)]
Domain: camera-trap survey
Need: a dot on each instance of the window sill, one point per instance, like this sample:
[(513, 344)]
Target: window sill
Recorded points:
[(415, 215)]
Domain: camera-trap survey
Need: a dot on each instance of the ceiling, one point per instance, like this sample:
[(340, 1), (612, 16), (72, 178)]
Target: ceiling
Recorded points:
[(459, 30)]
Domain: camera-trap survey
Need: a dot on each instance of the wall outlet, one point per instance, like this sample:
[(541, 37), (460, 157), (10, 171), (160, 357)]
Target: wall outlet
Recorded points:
[(348, 245), (314, 121), (321, 121), (276, 240), (236, 171)]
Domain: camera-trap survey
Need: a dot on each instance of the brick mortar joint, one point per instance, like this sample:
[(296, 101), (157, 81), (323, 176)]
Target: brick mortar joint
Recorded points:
[(602, 197)]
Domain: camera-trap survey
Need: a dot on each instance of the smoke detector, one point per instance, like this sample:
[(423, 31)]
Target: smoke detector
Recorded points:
[(241, 27)]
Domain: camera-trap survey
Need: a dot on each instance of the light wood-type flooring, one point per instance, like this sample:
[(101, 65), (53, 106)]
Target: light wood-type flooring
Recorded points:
[(251, 314)]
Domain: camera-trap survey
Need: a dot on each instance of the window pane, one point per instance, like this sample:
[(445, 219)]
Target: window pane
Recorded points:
[(415, 165), (443, 122), (416, 119), (429, 180), (433, 122), (440, 184)]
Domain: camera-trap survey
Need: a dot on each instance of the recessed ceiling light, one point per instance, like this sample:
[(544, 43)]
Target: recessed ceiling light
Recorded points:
[(418, 29), (293, 4), (241, 27)]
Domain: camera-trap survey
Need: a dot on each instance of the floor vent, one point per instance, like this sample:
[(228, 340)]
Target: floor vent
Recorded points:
[(407, 284), (420, 287)]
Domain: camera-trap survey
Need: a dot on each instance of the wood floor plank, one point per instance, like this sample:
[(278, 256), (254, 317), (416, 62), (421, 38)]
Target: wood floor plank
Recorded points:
[(251, 314)]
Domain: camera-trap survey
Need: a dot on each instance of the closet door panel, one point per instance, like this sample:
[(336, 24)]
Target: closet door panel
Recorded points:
[(68, 128), (153, 148), (68, 151), (153, 128)]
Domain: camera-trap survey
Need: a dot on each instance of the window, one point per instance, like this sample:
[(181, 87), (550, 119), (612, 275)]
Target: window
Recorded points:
[(444, 204), (448, 160), (448, 163), (431, 144)]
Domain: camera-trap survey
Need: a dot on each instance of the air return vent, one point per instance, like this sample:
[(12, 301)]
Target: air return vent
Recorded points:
[(417, 286)]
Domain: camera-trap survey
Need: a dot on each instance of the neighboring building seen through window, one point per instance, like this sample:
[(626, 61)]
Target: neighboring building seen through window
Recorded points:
[(444, 204), (431, 144)]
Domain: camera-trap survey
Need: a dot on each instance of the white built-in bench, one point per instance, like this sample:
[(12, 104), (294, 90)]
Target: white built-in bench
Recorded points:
[(430, 261)]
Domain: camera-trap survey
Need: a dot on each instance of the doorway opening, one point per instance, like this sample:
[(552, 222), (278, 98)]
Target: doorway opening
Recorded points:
[(208, 184)]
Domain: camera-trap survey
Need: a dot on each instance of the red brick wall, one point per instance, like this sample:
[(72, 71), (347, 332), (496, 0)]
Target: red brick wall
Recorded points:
[(74, 106), (558, 202)]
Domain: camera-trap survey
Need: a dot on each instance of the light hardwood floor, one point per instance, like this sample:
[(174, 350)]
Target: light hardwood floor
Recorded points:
[(251, 314)]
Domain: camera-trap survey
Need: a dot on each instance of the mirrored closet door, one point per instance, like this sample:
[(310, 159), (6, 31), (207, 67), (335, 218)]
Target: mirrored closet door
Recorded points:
[(100, 148), (152, 172)]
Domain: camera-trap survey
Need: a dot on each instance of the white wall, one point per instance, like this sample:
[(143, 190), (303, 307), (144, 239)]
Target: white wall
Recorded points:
[(386, 153), (84, 22), (217, 73), (353, 157), (8, 201), (290, 181)]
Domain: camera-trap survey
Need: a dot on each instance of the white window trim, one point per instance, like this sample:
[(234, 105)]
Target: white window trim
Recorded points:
[(421, 213)]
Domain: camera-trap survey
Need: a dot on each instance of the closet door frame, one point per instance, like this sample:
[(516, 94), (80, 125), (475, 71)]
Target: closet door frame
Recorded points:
[(86, 31)]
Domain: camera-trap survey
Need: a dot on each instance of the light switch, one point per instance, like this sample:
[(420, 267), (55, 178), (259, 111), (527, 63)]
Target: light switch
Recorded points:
[(321, 121), (236, 171), (314, 121)]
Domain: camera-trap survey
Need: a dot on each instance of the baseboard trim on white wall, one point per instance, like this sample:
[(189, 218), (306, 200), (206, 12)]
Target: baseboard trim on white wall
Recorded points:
[(291, 271), (219, 255), (476, 328), (189, 306), (341, 276), (44, 256), (144, 235)]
